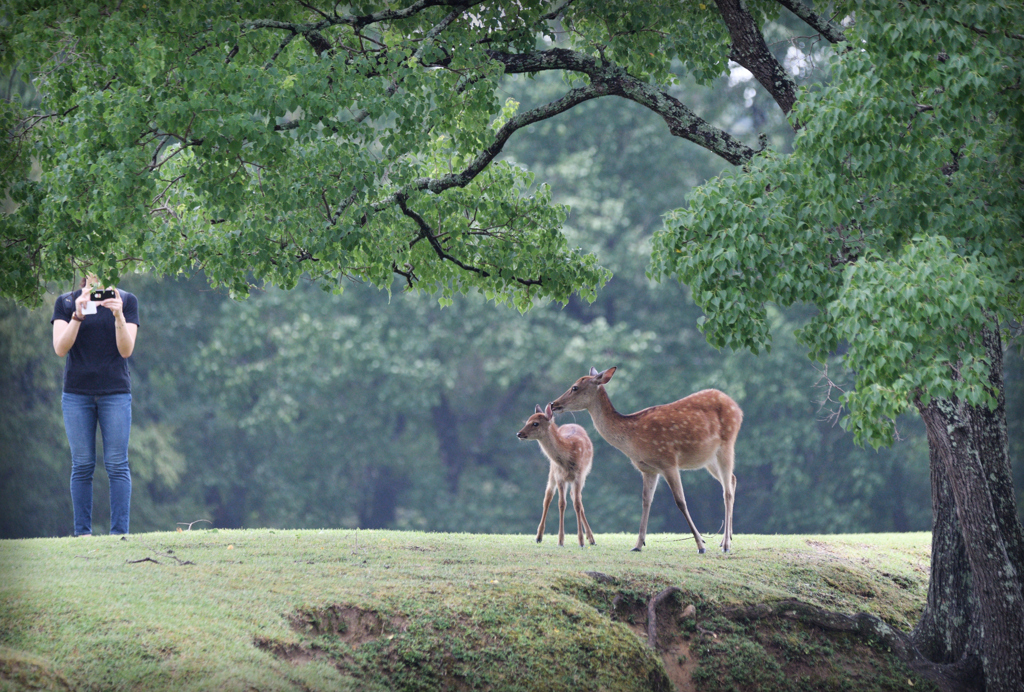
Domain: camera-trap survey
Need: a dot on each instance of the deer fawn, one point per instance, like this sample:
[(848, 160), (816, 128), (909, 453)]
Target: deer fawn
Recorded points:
[(698, 431), (570, 453)]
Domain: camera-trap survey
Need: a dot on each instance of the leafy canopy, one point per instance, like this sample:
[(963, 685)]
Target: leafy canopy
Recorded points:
[(268, 141), (898, 214), (246, 140)]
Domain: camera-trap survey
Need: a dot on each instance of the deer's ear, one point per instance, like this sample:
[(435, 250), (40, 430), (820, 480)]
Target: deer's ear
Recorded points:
[(605, 376), (548, 413), (537, 409), (593, 371)]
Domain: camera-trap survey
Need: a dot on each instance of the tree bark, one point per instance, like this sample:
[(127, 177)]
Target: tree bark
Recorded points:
[(943, 631), (750, 50), (975, 603)]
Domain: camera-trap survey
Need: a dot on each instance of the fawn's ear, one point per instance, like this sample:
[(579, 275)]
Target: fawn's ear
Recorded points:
[(548, 413), (537, 409), (593, 371), (603, 377)]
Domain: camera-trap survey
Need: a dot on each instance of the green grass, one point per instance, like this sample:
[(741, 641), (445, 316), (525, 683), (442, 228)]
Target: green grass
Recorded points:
[(385, 610)]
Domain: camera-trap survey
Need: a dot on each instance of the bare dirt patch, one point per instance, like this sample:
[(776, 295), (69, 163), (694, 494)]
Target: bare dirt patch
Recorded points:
[(352, 625), (288, 651)]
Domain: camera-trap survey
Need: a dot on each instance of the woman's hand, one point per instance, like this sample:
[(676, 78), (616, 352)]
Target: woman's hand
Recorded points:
[(115, 304), (80, 302)]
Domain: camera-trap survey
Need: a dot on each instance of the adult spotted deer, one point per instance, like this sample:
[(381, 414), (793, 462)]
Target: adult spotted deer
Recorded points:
[(570, 453), (698, 431)]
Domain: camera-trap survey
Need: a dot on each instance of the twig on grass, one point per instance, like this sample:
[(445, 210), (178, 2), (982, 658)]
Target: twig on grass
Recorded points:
[(167, 553), (145, 559), (690, 538)]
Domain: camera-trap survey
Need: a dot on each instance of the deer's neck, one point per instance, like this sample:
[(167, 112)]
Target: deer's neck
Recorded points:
[(612, 425), (556, 447)]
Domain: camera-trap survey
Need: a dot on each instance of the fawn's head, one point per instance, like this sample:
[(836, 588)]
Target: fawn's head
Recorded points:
[(537, 425), (581, 395)]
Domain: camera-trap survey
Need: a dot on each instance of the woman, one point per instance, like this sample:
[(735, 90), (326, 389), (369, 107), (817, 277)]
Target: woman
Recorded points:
[(97, 337)]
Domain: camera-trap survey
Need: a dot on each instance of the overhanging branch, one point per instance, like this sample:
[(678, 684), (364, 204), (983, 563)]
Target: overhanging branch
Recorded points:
[(427, 233), (615, 81), (829, 30)]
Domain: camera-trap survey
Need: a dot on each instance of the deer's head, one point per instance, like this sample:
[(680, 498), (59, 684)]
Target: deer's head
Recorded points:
[(582, 394), (537, 425)]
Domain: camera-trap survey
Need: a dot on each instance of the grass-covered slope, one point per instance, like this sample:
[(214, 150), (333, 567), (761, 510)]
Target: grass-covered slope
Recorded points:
[(379, 610)]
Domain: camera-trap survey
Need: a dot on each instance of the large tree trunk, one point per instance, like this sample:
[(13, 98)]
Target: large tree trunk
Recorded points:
[(975, 612)]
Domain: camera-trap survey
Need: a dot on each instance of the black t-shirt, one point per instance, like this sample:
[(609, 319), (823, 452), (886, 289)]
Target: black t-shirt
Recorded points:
[(94, 365)]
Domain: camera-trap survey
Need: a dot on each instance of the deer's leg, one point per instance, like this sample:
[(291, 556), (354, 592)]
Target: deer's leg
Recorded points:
[(676, 484), (548, 494), (561, 514), (727, 478), (581, 516), (650, 483), (732, 502)]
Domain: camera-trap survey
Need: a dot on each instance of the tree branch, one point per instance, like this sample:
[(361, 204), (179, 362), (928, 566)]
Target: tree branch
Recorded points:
[(355, 21), (615, 81), (829, 30), (438, 185), (750, 50), (427, 40), (284, 43), (427, 233), (605, 81)]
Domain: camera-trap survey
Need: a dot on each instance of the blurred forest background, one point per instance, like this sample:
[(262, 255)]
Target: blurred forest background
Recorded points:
[(305, 409)]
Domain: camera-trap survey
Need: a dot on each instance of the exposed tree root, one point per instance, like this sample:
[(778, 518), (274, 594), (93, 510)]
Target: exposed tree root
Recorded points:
[(652, 618), (962, 676)]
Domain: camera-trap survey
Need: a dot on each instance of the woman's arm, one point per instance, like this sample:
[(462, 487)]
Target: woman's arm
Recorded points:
[(65, 333), (124, 330)]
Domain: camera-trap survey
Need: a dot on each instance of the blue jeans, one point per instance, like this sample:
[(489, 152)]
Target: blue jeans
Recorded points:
[(113, 412)]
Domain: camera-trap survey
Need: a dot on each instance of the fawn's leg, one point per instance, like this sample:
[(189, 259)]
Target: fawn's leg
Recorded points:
[(581, 517), (548, 494), (561, 514)]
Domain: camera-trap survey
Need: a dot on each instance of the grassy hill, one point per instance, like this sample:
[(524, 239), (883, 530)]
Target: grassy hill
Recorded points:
[(383, 610)]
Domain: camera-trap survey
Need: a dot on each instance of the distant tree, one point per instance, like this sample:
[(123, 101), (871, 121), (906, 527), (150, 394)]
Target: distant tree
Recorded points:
[(273, 140)]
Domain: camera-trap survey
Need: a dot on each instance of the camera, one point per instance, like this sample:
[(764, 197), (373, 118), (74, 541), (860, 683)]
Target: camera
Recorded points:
[(99, 296)]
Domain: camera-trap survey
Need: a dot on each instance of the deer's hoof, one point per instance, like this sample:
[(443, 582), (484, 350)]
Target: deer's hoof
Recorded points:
[(702, 551), (635, 550)]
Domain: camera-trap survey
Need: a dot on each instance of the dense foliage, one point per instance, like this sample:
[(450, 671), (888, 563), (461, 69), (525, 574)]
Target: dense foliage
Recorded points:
[(898, 214)]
